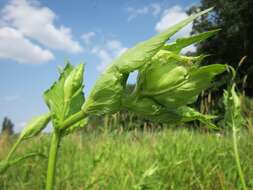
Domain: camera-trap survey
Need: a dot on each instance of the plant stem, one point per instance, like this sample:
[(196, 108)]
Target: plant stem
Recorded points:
[(237, 159), (55, 141), (13, 149)]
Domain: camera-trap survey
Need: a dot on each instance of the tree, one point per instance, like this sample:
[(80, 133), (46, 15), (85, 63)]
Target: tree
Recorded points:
[(7, 126), (235, 40)]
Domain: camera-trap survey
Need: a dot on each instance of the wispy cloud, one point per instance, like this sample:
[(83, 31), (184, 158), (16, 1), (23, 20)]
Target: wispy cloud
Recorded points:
[(87, 37), (154, 9), (104, 48), (108, 52)]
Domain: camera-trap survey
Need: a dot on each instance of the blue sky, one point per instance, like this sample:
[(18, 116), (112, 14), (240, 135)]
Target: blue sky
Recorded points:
[(37, 36)]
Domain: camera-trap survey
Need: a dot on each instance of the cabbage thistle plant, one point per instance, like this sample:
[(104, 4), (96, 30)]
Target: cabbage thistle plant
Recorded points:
[(167, 83)]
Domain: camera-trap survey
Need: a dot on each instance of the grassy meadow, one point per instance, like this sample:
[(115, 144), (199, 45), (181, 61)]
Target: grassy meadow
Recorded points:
[(166, 159)]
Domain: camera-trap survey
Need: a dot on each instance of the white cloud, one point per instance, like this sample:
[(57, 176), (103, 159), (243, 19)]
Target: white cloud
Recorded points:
[(87, 37), (154, 9), (106, 54), (16, 47), (37, 23), (171, 17)]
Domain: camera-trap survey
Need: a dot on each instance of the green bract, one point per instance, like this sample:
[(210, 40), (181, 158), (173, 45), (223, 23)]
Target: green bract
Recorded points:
[(181, 43), (106, 95), (35, 126), (177, 85)]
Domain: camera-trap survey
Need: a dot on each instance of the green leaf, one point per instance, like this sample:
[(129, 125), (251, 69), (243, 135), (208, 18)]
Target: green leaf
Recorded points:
[(54, 97), (137, 56), (181, 43), (66, 97), (35, 126)]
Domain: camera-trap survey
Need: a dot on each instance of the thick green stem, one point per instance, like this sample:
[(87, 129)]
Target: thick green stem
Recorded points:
[(55, 141), (237, 159)]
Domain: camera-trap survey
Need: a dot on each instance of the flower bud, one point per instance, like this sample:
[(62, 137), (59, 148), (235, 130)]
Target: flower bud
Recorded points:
[(73, 82), (175, 83), (35, 126), (163, 73)]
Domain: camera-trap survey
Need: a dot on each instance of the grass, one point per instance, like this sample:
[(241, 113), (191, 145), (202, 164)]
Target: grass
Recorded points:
[(169, 159)]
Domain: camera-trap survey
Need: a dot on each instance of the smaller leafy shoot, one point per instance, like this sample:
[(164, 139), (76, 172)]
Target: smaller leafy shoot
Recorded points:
[(234, 118), (64, 99)]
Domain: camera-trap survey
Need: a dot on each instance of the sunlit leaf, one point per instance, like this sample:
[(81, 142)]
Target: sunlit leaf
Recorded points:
[(66, 97)]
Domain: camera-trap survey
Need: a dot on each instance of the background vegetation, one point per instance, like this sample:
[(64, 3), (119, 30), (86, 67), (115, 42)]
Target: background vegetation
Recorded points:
[(169, 159)]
